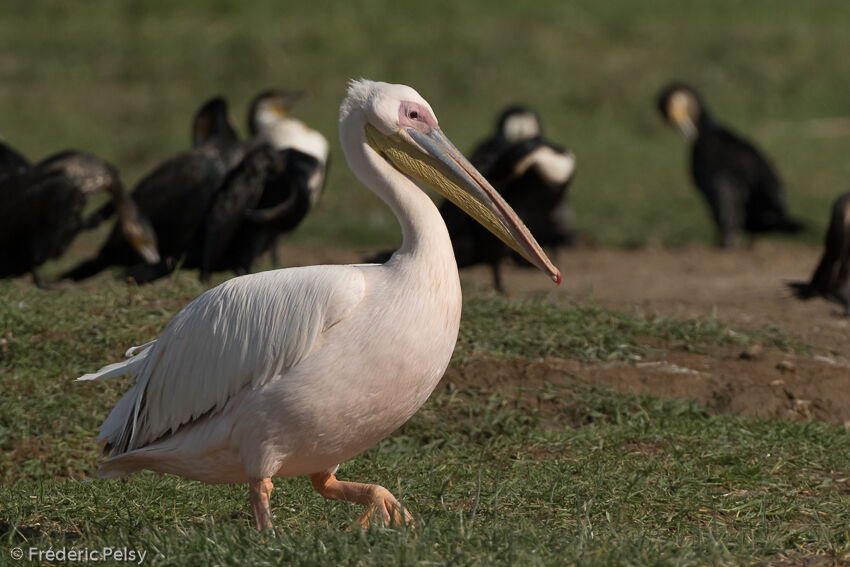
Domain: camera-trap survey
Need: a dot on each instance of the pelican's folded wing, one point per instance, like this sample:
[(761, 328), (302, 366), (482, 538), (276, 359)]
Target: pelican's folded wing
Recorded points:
[(240, 334)]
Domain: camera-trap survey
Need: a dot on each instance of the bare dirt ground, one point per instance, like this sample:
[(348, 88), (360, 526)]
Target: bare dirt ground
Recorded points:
[(745, 288)]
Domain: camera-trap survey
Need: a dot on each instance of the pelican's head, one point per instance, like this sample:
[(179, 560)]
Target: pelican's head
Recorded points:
[(402, 128), (270, 107), (680, 105), (212, 123)]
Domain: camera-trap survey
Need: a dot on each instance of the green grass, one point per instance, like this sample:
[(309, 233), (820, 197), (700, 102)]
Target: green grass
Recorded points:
[(636, 481), (564, 473), (590, 332), (46, 420)]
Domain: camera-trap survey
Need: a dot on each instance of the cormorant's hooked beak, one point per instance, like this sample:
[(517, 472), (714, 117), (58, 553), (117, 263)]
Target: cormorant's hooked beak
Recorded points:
[(146, 249), (138, 231), (286, 100), (680, 115), (432, 159)]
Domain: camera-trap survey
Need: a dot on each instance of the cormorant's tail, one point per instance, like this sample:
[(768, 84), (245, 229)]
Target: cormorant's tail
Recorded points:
[(145, 273), (85, 269), (802, 290), (791, 226)]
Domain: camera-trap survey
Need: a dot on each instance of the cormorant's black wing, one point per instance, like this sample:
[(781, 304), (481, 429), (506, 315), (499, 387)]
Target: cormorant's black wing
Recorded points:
[(287, 197), (12, 163), (485, 154), (174, 198), (725, 173), (239, 193), (40, 214), (740, 184), (831, 273)]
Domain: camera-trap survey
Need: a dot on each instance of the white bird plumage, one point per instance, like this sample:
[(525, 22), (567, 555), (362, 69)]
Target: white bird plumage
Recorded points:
[(291, 372)]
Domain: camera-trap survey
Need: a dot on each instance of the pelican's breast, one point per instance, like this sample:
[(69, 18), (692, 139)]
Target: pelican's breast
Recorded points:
[(369, 374)]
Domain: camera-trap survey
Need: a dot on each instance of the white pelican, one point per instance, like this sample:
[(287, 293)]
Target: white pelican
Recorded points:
[(291, 372)]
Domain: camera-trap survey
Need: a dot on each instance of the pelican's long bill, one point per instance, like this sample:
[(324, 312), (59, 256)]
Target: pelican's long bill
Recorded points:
[(433, 160)]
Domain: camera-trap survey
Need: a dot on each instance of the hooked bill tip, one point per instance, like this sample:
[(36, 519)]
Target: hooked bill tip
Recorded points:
[(557, 277)]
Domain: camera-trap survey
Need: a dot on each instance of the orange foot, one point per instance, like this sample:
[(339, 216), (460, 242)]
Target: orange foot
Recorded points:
[(380, 503)]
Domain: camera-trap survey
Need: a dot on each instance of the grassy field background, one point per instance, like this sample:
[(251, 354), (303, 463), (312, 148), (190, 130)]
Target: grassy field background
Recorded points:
[(552, 473), (123, 79), (566, 473)]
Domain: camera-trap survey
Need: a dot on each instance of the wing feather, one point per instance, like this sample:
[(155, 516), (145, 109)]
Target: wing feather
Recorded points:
[(241, 334)]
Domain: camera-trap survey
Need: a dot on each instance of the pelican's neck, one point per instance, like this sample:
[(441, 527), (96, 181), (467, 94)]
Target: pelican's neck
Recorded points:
[(424, 233)]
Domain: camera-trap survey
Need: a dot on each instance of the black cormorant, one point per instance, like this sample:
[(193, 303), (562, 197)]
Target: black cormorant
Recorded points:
[(41, 212), (175, 197), (738, 183), (269, 121), (225, 238), (266, 196), (832, 276), (516, 123), (270, 192)]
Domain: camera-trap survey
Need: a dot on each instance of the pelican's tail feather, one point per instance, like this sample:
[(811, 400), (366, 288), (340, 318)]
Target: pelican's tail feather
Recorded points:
[(137, 356), (121, 465), (114, 429), (118, 428)]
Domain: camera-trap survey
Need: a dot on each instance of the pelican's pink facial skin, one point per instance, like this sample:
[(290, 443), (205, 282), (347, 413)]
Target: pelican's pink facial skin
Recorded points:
[(416, 116)]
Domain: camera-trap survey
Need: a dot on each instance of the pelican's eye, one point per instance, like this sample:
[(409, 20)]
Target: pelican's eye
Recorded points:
[(414, 115)]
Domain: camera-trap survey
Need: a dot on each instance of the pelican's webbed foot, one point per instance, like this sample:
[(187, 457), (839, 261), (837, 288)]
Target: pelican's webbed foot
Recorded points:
[(380, 504)]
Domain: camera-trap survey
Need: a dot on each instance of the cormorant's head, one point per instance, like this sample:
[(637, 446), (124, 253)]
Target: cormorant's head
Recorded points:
[(212, 123), (518, 123), (269, 107), (137, 229), (681, 106)]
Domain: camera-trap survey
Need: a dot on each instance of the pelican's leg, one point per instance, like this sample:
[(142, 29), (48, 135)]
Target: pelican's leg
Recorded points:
[(377, 499), (261, 491)]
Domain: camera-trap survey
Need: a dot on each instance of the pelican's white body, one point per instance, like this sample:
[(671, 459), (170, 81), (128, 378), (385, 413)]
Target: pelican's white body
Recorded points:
[(290, 372)]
